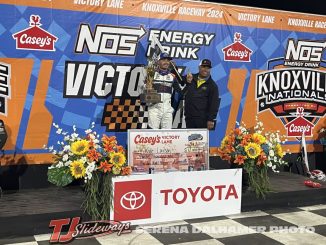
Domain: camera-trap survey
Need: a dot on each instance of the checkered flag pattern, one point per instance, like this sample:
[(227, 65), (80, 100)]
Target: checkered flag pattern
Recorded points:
[(241, 228), (123, 114)]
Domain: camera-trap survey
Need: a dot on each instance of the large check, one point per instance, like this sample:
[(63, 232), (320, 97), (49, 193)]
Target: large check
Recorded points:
[(168, 150)]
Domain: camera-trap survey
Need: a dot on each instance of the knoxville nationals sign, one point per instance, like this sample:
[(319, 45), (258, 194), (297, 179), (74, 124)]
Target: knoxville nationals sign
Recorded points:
[(295, 89)]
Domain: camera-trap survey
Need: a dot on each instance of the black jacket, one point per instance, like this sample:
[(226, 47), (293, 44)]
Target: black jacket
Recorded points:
[(202, 102)]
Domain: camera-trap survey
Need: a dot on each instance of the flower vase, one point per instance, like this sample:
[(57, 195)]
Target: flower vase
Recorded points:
[(245, 177), (98, 196), (259, 181)]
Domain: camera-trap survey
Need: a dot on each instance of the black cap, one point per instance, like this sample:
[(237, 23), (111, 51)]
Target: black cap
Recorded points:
[(206, 62), (165, 56)]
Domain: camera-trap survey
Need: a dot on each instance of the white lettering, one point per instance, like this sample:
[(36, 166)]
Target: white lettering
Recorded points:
[(90, 2), (115, 4), (249, 17)]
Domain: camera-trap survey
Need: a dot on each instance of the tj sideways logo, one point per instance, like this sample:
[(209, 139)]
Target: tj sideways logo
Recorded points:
[(294, 87), (83, 230), (34, 37)]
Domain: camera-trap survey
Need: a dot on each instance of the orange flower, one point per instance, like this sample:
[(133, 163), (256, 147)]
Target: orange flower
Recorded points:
[(247, 137), (244, 142), (255, 140), (126, 171), (108, 148), (109, 140), (237, 131), (229, 149), (220, 152), (240, 159), (93, 155), (226, 157), (109, 143), (231, 139), (120, 149), (91, 144), (261, 159), (106, 167)]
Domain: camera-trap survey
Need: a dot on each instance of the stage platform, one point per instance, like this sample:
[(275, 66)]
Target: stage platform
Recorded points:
[(29, 212)]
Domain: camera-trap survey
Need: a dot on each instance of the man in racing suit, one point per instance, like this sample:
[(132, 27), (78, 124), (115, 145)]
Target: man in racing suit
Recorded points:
[(160, 114)]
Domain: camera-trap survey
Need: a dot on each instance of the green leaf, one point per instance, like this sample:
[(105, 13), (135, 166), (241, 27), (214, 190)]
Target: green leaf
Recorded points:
[(60, 176)]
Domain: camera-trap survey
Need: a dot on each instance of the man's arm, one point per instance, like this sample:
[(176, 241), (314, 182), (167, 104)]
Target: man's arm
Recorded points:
[(214, 103), (188, 79), (176, 85)]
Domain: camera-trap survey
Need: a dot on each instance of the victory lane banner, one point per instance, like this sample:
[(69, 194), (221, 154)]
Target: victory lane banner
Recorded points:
[(168, 150), (91, 68), (145, 199)]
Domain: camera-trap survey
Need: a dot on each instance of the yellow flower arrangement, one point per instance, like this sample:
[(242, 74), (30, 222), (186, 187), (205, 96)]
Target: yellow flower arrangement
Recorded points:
[(253, 150), (116, 170), (91, 158), (118, 159), (279, 150), (224, 141), (258, 138), (80, 147), (77, 169)]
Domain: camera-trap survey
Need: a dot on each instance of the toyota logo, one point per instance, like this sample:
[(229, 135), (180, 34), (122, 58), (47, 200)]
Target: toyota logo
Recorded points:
[(132, 200)]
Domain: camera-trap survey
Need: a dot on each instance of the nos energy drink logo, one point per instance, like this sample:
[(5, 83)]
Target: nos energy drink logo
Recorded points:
[(294, 88)]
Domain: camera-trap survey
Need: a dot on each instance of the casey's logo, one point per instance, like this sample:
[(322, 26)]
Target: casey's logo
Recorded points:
[(299, 126), (237, 51), (34, 37), (147, 140)]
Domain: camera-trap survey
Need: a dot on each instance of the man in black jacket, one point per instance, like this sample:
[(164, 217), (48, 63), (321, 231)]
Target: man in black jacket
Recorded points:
[(201, 98)]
